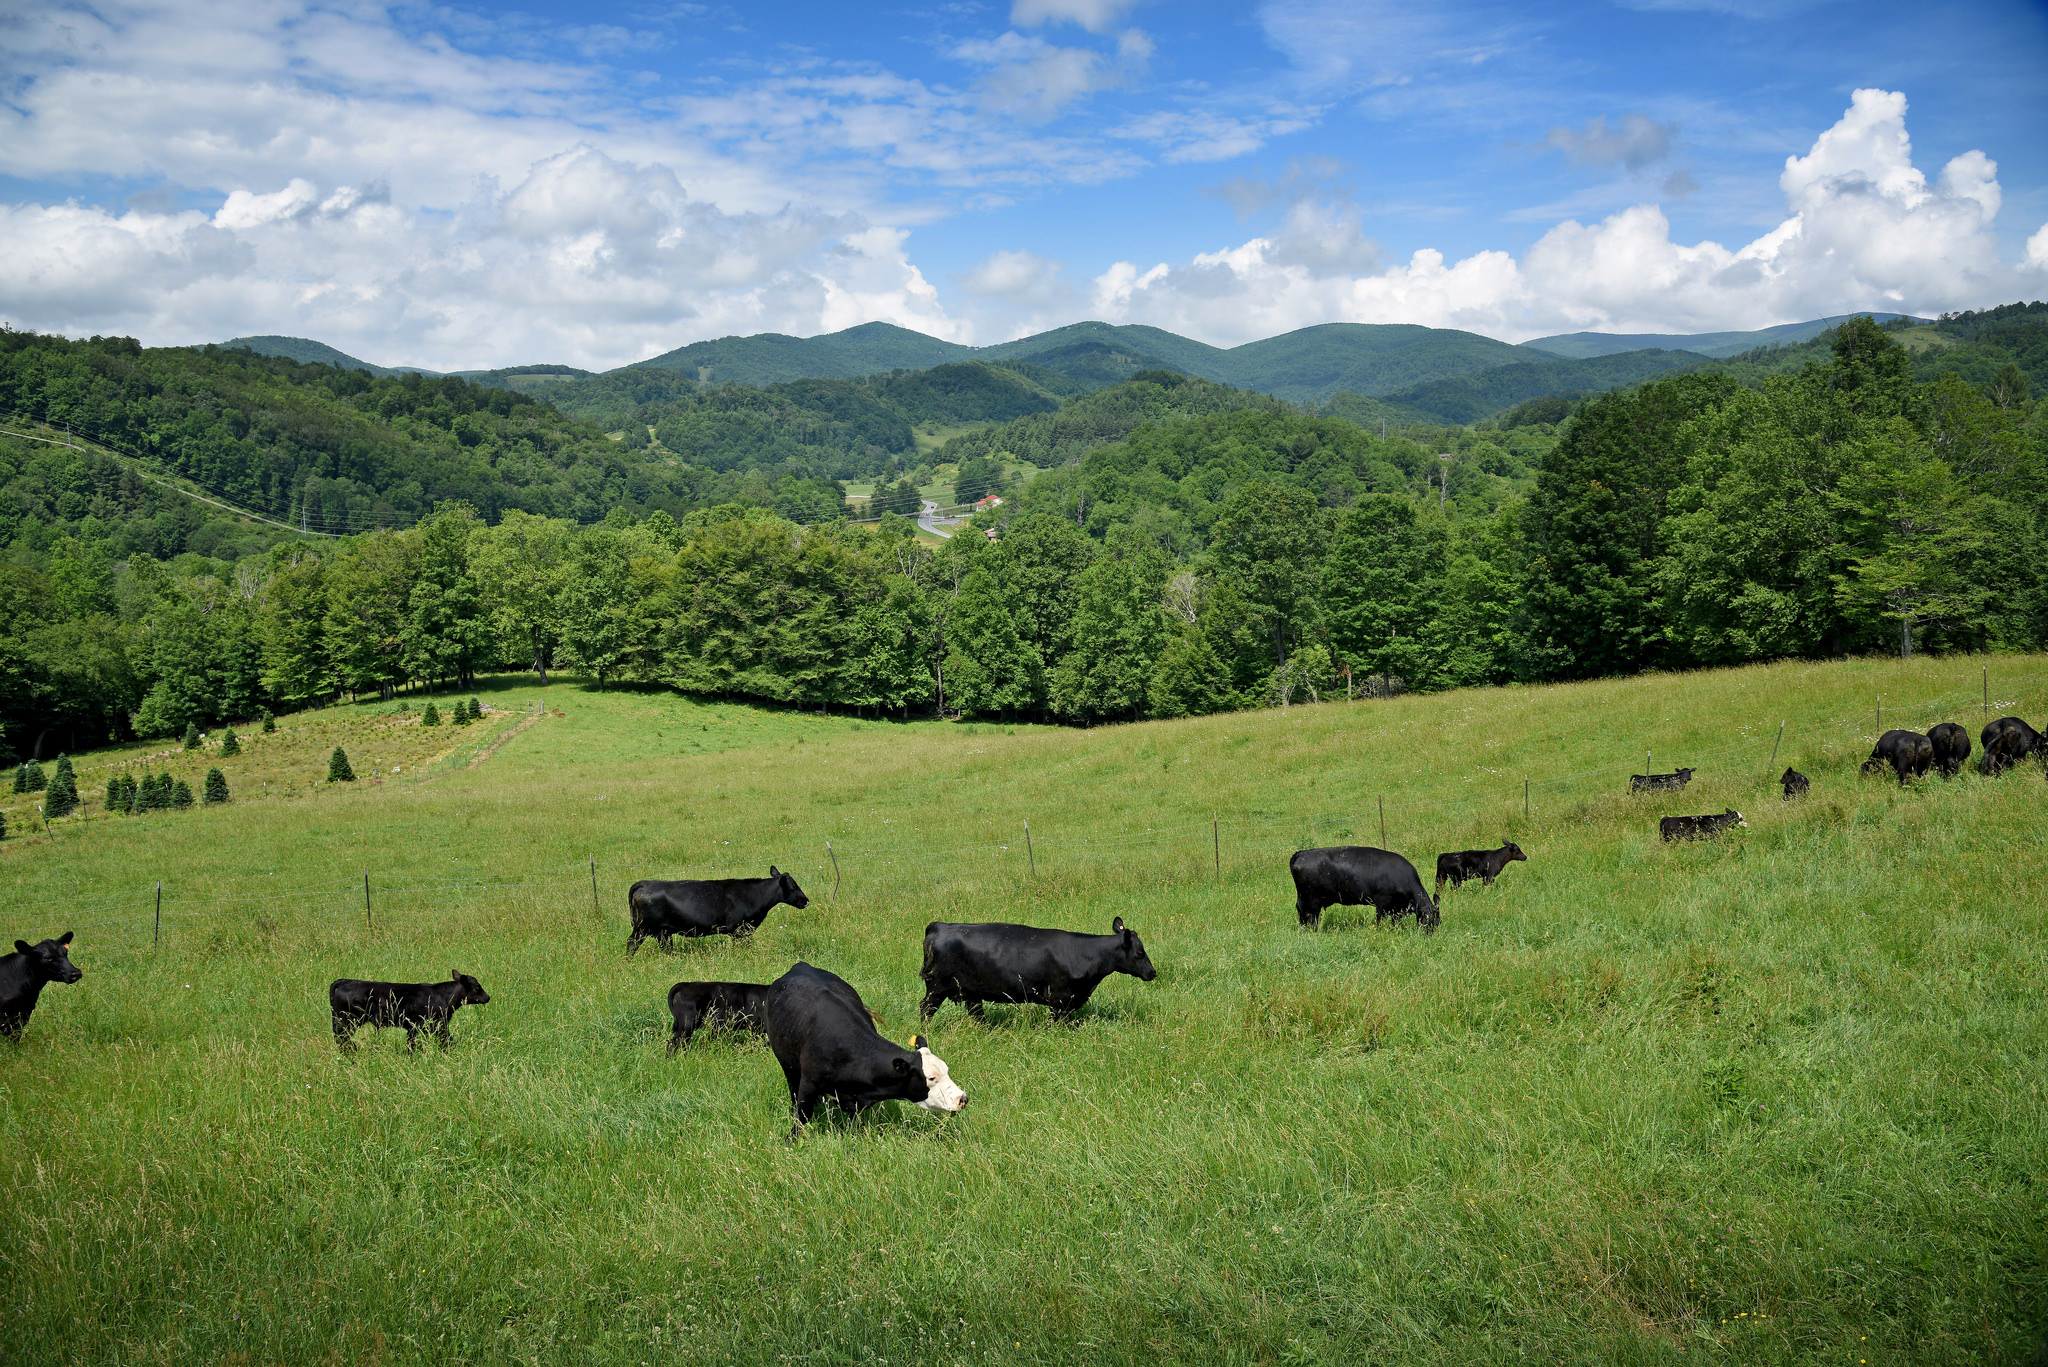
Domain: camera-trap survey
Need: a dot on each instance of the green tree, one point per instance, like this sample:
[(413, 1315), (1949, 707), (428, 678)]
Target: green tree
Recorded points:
[(990, 668), (62, 797), (595, 608), (296, 667), (520, 566), (29, 778), (1120, 632), (229, 745), (181, 795), (1267, 542), (430, 717), (337, 767), (269, 724), (369, 588), (446, 634), (1383, 590), (191, 735), (216, 788), (476, 710), (1190, 679), (459, 714)]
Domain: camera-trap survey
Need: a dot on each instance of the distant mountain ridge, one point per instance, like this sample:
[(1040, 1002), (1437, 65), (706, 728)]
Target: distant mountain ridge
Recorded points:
[(1580, 346), (1438, 374)]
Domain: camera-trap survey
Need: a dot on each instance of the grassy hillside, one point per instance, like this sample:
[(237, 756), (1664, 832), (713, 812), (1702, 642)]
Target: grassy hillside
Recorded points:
[(1776, 1098), (306, 351), (771, 356)]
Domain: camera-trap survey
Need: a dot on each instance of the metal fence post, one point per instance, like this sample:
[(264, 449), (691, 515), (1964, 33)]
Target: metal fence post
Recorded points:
[(1525, 797), (1987, 693), (593, 887), (1028, 855), (835, 869), (1383, 823), (1774, 746), (368, 920), (1216, 842), (158, 937)]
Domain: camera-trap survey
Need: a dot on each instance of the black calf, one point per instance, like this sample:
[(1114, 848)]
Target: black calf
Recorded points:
[(413, 1006), (23, 975)]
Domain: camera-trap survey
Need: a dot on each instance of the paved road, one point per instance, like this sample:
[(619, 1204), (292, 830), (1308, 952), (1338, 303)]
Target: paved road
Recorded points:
[(924, 520)]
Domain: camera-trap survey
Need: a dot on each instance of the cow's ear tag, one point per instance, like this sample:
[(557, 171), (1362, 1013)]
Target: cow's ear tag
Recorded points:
[(917, 1042), (1117, 926)]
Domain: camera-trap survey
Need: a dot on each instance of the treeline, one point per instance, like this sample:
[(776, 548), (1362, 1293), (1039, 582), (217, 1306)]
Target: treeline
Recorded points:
[(1232, 560)]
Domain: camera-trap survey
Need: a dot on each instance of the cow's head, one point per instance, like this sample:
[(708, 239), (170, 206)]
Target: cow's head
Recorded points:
[(1684, 775), (50, 961), (1513, 851), (473, 993), (1734, 818), (1791, 777), (941, 1093), (786, 888), (1130, 953), (898, 1075)]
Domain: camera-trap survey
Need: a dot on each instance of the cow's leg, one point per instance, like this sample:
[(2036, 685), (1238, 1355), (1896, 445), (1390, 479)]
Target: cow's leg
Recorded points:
[(935, 997), (12, 1024), (1439, 887), (1308, 911), (973, 1005), (633, 940), (440, 1029), (666, 939), (805, 1099), (1487, 881), (412, 1037), (345, 1034), (686, 1026)]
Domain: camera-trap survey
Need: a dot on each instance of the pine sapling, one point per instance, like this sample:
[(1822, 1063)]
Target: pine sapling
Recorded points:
[(114, 803), (476, 710), (3, 825), (29, 778), (269, 724), (191, 735), (229, 745), (430, 717), (62, 797), (181, 794), (21, 777), (460, 712), (337, 768), (216, 788)]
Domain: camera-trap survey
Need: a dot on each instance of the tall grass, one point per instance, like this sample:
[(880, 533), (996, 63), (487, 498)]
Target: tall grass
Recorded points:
[(1773, 1098)]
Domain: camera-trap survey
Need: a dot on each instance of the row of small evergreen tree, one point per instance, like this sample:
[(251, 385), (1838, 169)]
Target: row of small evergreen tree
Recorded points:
[(158, 792), (464, 713)]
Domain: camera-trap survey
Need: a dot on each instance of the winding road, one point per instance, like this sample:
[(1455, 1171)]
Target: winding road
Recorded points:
[(926, 518)]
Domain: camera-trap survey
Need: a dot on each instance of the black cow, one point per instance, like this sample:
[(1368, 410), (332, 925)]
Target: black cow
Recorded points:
[(1907, 752), (1356, 876), (2007, 741), (22, 975), (1951, 747), (1699, 827), (997, 962), (414, 1006), (825, 1039), (707, 906), (1481, 864), (1795, 783), (1660, 783), (742, 1006)]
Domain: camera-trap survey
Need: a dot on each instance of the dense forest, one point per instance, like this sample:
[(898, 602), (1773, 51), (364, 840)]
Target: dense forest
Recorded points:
[(1194, 549)]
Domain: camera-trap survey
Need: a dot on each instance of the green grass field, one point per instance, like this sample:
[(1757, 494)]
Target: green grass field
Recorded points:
[(1778, 1098)]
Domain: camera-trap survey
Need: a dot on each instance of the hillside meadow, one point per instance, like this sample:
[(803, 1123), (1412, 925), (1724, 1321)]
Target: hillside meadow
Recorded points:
[(1777, 1098)]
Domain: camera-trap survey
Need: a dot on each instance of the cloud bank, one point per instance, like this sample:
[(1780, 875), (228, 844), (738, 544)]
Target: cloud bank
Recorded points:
[(326, 172)]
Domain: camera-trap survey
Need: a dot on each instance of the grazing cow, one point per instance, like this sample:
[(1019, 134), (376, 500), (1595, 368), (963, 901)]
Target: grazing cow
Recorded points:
[(414, 1006), (1484, 865), (2007, 741), (1951, 747), (707, 906), (741, 1006), (825, 1039), (1795, 784), (22, 975), (996, 962), (1907, 752), (1659, 783), (1699, 827), (1355, 876)]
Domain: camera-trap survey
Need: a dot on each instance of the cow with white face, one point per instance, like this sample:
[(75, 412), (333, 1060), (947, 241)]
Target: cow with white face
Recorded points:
[(942, 1094)]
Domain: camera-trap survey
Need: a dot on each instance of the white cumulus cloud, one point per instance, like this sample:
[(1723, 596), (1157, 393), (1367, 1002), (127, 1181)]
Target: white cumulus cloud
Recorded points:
[(1864, 229)]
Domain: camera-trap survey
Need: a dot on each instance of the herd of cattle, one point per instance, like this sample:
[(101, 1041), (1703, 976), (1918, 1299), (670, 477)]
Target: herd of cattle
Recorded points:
[(828, 1041)]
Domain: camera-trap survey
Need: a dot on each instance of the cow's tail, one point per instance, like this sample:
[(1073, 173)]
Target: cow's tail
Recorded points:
[(634, 909), (926, 971)]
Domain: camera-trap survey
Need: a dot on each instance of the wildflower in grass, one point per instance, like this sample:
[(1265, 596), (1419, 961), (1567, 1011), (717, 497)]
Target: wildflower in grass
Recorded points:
[(62, 797), (229, 745), (191, 735), (181, 795), (269, 723), (430, 717), (337, 767), (216, 788)]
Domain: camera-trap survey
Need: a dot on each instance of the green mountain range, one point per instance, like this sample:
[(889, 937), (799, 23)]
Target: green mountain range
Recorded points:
[(1580, 345)]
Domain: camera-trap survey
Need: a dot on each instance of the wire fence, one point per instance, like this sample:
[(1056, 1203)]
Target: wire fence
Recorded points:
[(1188, 851)]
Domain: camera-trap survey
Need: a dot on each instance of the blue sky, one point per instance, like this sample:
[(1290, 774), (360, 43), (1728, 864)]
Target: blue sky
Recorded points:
[(465, 185)]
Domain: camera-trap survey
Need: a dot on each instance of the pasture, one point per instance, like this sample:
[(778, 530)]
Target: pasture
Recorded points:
[(1773, 1098)]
